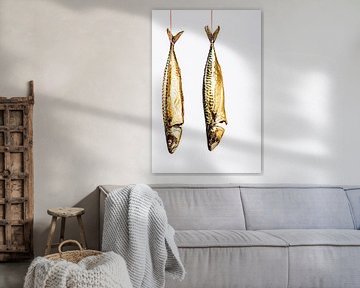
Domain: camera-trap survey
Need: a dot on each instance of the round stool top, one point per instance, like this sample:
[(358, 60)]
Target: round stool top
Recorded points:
[(66, 211)]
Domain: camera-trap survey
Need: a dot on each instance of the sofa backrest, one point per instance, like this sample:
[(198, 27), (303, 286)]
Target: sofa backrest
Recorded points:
[(354, 198), (257, 207), (194, 207), (296, 208)]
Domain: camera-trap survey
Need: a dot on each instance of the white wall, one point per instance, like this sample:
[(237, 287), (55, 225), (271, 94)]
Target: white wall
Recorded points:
[(90, 61)]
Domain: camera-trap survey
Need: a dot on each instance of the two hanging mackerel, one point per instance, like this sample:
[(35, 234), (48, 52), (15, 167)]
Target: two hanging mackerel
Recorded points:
[(172, 97), (213, 95)]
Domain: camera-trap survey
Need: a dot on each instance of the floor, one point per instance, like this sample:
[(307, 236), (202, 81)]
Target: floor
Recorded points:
[(12, 274)]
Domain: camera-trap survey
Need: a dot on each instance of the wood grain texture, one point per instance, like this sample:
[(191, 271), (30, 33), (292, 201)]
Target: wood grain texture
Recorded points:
[(66, 211), (63, 213), (16, 177)]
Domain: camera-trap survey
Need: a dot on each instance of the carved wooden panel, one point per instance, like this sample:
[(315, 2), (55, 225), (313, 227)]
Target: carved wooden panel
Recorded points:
[(16, 177)]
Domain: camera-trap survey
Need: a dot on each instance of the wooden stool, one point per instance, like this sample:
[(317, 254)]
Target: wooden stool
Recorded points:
[(64, 213)]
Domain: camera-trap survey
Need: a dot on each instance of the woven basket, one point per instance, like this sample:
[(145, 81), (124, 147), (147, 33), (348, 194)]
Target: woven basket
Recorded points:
[(72, 256)]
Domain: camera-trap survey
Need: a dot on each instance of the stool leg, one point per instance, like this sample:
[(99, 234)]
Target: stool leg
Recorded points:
[(62, 231), (51, 235), (82, 232)]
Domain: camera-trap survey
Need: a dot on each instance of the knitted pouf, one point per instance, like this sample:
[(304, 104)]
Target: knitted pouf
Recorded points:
[(104, 270)]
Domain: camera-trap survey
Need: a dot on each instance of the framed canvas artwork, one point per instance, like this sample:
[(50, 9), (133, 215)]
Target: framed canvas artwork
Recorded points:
[(206, 91)]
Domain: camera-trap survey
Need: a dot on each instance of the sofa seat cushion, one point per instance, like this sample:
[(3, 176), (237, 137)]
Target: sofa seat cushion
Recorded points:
[(225, 238), (317, 237)]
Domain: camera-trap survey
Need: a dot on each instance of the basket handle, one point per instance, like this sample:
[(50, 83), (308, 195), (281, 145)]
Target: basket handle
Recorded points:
[(69, 241)]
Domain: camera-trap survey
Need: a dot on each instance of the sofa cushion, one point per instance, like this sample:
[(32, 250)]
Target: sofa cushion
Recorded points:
[(191, 207), (324, 266), (322, 258), (226, 238), (220, 267), (354, 198), (296, 208), (317, 237)]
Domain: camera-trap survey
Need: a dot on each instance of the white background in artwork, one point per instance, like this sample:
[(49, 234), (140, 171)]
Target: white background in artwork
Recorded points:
[(238, 49)]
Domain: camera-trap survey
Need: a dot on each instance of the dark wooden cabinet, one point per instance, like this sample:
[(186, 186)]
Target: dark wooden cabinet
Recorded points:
[(16, 177)]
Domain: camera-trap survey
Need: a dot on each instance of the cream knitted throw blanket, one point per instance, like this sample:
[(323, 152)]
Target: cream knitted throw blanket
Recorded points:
[(136, 227), (103, 271)]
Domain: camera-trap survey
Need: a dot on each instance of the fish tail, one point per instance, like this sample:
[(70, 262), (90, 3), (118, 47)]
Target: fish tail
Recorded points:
[(212, 35), (172, 38)]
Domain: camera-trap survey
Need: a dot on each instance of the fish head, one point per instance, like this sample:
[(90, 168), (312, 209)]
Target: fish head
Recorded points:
[(173, 136), (215, 134)]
